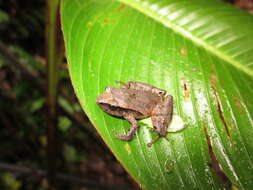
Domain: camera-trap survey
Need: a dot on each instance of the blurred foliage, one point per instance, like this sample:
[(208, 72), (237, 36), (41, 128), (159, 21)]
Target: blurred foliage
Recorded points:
[(10, 181), (24, 22), (4, 17)]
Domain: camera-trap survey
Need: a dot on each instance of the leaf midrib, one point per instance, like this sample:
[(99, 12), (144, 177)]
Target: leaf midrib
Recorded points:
[(178, 29)]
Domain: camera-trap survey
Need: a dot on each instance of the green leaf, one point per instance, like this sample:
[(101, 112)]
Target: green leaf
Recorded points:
[(213, 26), (200, 52)]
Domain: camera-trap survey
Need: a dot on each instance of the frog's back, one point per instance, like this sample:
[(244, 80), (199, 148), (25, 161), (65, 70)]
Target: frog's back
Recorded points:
[(136, 100)]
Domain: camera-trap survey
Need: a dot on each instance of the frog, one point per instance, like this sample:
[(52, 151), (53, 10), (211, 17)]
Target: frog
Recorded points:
[(138, 100)]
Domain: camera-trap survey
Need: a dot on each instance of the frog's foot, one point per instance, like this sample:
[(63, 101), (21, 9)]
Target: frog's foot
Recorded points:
[(132, 130), (129, 135), (153, 140)]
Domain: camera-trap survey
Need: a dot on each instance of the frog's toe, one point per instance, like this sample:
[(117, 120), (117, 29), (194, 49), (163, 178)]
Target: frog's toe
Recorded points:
[(153, 141), (121, 82)]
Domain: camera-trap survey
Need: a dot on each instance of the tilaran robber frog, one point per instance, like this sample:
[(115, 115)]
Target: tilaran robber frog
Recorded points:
[(138, 100)]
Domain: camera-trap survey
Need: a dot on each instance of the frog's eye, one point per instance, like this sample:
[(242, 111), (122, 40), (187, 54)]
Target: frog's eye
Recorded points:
[(161, 92)]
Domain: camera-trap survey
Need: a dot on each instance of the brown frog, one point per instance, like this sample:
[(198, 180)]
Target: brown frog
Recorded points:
[(138, 100)]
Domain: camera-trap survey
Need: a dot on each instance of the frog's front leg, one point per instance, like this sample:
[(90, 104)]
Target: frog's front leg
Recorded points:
[(162, 115), (129, 135)]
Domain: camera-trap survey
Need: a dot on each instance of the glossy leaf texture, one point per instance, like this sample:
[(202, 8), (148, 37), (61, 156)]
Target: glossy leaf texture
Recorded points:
[(213, 26), (208, 70)]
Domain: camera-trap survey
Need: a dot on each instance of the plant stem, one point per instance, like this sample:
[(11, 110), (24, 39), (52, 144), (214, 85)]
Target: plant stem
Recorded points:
[(54, 55)]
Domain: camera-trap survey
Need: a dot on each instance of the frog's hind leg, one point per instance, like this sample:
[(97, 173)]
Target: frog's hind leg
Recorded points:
[(129, 135)]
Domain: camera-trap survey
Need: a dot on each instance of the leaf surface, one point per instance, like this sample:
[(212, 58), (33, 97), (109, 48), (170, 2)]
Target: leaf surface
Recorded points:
[(199, 55)]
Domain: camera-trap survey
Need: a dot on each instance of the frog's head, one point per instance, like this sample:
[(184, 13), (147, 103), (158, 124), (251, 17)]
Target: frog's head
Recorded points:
[(106, 97)]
